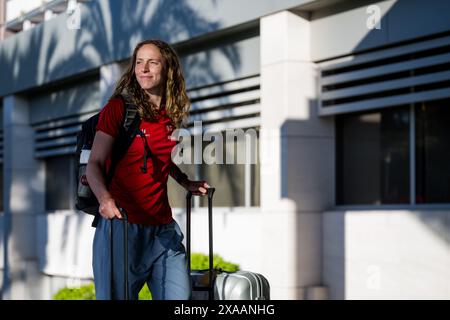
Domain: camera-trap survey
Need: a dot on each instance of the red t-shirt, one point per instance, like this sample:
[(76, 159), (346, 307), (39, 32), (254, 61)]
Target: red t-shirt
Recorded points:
[(142, 195)]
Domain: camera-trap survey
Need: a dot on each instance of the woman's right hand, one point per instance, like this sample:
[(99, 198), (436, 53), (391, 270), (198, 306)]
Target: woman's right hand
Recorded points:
[(108, 209)]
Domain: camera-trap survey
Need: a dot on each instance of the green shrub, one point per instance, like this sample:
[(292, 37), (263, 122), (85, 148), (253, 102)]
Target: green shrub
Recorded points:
[(85, 292), (145, 293), (199, 261)]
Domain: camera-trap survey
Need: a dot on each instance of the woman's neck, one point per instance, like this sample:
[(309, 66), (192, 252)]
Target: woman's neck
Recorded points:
[(155, 99)]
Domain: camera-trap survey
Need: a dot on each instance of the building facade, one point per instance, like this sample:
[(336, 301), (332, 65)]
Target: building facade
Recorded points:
[(349, 198)]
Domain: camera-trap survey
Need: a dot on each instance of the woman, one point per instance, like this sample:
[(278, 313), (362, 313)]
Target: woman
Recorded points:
[(155, 84)]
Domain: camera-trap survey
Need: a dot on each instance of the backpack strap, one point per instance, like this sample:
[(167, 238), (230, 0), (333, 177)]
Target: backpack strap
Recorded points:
[(130, 119), (129, 130), (132, 128)]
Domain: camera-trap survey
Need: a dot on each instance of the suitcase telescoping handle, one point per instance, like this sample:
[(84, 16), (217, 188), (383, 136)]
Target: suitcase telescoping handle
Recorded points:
[(125, 254), (210, 236)]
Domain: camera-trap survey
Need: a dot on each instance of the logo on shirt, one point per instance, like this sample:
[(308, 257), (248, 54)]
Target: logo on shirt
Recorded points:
[(144, 131), (169, 129)]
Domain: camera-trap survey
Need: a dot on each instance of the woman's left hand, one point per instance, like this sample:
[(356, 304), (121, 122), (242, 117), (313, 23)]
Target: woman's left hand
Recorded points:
[(197, 187)]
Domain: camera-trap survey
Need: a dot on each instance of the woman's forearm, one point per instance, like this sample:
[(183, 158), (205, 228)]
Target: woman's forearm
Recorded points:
[(179, 176), (96, 179)]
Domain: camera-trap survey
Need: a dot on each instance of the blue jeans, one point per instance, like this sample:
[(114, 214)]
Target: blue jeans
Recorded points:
[(156, 255)]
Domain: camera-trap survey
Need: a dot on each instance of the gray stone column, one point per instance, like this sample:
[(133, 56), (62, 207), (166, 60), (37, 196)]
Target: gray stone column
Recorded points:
[(24, 198), (297, 156)]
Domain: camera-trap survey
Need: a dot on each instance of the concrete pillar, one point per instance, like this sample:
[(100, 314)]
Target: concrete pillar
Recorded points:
[(2, 19), (24, 199), (297, 156)]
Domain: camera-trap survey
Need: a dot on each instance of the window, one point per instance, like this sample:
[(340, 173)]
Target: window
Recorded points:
[(433, 152), (1, 187), (229, 178), (59, 183), (231, 181), (374, 155)]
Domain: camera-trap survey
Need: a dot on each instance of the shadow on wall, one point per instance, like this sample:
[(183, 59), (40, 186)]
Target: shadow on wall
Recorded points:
[(159, 19), (397, 24), (127, 22), (307, 177)]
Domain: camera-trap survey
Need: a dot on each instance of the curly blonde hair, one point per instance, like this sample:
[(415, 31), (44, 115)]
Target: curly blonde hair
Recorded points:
[(175, 97)]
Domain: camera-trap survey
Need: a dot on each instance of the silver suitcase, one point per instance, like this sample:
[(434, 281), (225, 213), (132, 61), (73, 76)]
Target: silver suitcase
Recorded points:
[(212, 284), (239, 285)]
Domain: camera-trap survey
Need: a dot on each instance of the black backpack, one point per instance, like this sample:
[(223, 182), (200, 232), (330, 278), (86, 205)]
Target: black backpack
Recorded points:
[(85, 199)]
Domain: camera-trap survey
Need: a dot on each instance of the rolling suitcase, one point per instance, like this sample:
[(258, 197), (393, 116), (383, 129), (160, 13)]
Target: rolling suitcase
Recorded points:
[(215, 284)]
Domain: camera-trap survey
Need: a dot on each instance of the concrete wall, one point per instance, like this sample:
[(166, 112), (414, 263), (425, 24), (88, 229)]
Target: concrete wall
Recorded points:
[(69, 99), (56, 49), (23, 183), (296, 177), (342, 29), (382, 254), (395, 254), (293, 239), (64, 244)]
